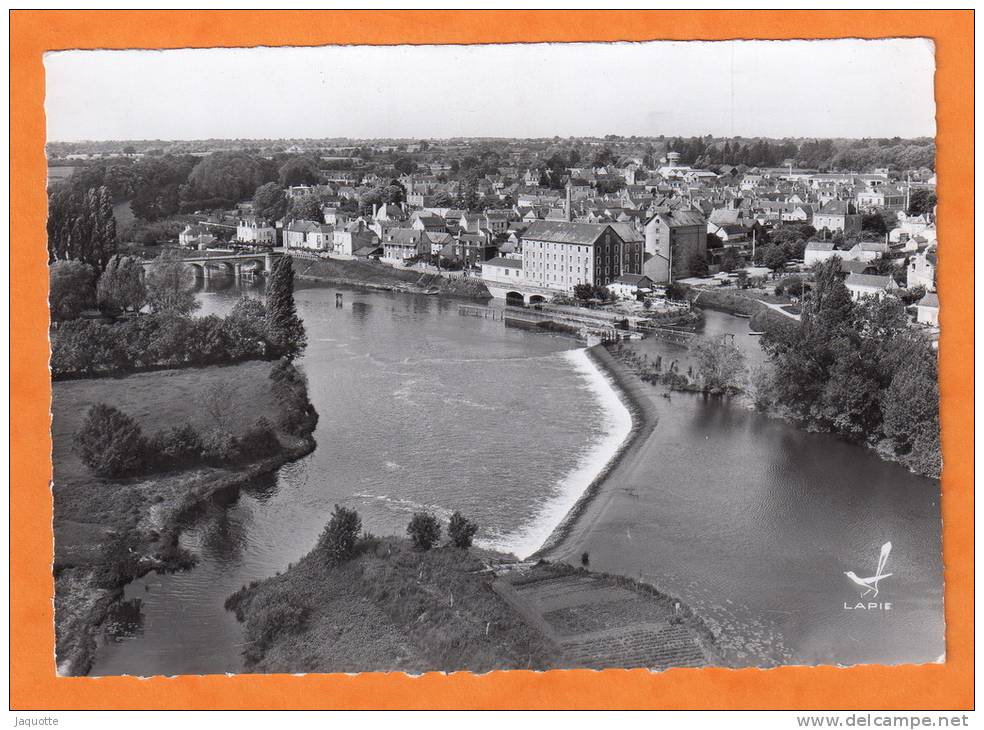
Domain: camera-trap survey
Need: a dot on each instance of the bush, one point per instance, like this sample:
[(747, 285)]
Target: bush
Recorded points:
[(268, 622), (461, 530), (220, 447), (110, 442), (85, 347), (178, 446), (72, 289), (118, 563), (424, 530), (260, 440), (338, 541), (291, 393)]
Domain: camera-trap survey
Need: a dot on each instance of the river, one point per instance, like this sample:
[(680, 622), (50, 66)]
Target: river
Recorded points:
[(748, 519)]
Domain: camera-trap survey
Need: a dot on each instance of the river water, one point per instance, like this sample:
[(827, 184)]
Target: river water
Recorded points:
[(748, 519)]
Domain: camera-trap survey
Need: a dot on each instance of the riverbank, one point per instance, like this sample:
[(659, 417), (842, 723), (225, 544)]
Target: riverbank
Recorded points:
[(375, 275), (763, 318), (110, 531), (393, 608)]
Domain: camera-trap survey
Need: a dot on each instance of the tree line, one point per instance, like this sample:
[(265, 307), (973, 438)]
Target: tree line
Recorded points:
[(166, 336), (856, 369)]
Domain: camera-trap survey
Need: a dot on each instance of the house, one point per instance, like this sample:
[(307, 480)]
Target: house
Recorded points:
[(195, 236), (838, 216), (731, 234), (474, 248), (334, 217), (862, 286), (634, 246), (921, 270), (496, 221), (256, 232), (438, 240), (928, 310), (400, 244), (627, 286), (296, 233), (561, 254), (388, 212), (354, 237), (503, 270), (673, 238), (881, 197), (817, 251), (428, 222)]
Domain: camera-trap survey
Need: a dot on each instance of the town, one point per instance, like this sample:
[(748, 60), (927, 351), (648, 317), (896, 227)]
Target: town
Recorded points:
[(588, 220)]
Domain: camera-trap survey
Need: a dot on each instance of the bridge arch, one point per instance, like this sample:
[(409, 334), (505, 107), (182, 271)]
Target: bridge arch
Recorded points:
[(537, 299), (515, 297)]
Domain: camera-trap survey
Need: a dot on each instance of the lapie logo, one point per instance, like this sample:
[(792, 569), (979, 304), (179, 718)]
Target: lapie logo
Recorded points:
[(869, 586)]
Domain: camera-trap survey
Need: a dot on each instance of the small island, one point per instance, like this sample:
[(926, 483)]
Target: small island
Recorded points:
[(357, 602)]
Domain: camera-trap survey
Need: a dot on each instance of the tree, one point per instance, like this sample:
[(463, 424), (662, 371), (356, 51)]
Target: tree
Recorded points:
[(584, 292), (921, 201), (305, 208), (720, 364), (697, 263), (286, 330), (299, 171), (110, 442), (405, 165), (730, 260), (912, 400), (121, 286), (71, 289), (340, 536), (424, 530), (82, 226), (170, 286), (773, 257), (461, 530), (225, 178), (270, 202), (803, 355)]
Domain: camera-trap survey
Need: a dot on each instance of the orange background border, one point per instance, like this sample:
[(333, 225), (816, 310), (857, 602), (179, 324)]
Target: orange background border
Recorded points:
[(33, 684)]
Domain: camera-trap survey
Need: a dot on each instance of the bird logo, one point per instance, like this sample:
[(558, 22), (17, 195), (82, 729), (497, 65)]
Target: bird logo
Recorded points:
[(870, 585)]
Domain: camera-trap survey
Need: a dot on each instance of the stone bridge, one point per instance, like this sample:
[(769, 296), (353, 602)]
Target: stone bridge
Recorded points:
[(234, 263), (516, 293)]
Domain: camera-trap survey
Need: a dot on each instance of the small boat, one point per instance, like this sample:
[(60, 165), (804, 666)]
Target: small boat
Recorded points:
[(743, 316), (756, 334)]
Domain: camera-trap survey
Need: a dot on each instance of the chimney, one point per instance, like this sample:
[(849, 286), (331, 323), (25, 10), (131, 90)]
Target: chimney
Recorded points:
[(567, 207)]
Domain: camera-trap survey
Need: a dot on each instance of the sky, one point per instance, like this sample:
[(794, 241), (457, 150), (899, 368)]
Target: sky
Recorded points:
[(839, 88)]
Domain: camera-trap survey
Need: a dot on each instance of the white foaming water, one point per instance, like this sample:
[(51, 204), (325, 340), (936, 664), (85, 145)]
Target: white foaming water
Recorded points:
[(618, 425)]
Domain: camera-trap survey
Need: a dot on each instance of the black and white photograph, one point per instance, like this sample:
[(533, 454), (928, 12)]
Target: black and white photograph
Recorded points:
[(529, 356)]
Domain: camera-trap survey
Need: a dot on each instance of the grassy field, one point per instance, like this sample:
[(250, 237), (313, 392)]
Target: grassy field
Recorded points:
[(391, 608), (91, 513), (394, 608)]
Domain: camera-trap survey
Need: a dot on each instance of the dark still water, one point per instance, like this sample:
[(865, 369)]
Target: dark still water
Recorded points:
[(754, 523), (746, 518)]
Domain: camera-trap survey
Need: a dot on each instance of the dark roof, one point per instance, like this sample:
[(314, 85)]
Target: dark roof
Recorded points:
[(835, 207), (502, 261), (585, 234), (633, 279), (873, 280)]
